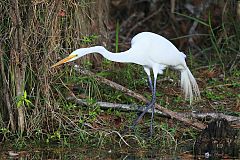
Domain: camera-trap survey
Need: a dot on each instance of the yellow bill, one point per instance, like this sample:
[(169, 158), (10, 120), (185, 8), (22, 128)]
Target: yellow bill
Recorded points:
[(63, 60)]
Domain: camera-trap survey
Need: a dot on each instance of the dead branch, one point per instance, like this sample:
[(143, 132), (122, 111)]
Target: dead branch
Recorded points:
[(175, 115), (232, 119), (142, 21), (134, 107), (197, 11), (107, 105)]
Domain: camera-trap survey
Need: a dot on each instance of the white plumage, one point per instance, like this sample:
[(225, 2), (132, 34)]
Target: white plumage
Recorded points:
[(153, 52)]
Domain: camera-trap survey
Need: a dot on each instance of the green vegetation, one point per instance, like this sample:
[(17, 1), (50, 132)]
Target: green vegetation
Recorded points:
[(51, 119)]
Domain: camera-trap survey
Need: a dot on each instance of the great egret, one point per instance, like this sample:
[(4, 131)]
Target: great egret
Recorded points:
[(152, 51)]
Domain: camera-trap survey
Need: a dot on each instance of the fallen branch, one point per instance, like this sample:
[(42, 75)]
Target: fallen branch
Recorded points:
[(235, 121), (123, 107), (232, 119), (187, 121)]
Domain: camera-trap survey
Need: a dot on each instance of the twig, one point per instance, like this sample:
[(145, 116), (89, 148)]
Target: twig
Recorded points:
[(173, 4), (198, 12), (121, 137), (191, 122), (144, 20), (221, 85)]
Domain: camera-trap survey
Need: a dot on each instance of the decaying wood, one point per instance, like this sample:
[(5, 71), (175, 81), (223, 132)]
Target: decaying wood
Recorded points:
[(235, 121), (218, 141), (175, 115)]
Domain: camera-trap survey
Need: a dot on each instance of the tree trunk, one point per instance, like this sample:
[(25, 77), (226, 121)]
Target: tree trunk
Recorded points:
[(17, 60)]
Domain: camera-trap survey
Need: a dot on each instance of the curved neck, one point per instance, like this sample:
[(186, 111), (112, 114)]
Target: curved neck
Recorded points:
[(123, 57)]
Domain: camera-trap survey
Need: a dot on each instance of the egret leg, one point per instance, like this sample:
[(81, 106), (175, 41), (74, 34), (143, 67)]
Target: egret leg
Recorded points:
[(150, 83), (150, 105), (151, 88), (151, 125)]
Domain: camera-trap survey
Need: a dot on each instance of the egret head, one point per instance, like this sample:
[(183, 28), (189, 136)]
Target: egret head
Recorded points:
[(73, 56)]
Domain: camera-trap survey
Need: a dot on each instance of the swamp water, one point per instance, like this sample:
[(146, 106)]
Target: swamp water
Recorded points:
[(73, 153), (183, 152)]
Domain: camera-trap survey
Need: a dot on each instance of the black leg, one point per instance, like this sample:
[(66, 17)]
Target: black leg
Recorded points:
[(151, 125), (151, 88), (150, 83), (150, 105)]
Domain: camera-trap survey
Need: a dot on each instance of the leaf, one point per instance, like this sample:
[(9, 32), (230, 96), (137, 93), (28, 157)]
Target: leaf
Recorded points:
[(28, 102), (19, 103), (25, 94)]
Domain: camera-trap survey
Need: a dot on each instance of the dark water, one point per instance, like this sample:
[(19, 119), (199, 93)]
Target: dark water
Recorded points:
[(96, 153), (90, 153)]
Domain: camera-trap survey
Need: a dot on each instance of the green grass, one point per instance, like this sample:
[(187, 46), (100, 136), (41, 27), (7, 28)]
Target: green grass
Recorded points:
[(65, 123), (117, 37)]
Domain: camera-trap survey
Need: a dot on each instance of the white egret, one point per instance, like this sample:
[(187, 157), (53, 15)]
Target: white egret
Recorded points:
[(153, 52)]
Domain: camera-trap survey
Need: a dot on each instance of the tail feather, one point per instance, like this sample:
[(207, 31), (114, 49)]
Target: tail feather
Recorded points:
[(189, 85)]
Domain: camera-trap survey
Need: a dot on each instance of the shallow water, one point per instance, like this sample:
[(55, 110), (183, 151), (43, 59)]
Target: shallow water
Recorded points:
[(59, 152), (90, 153)]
